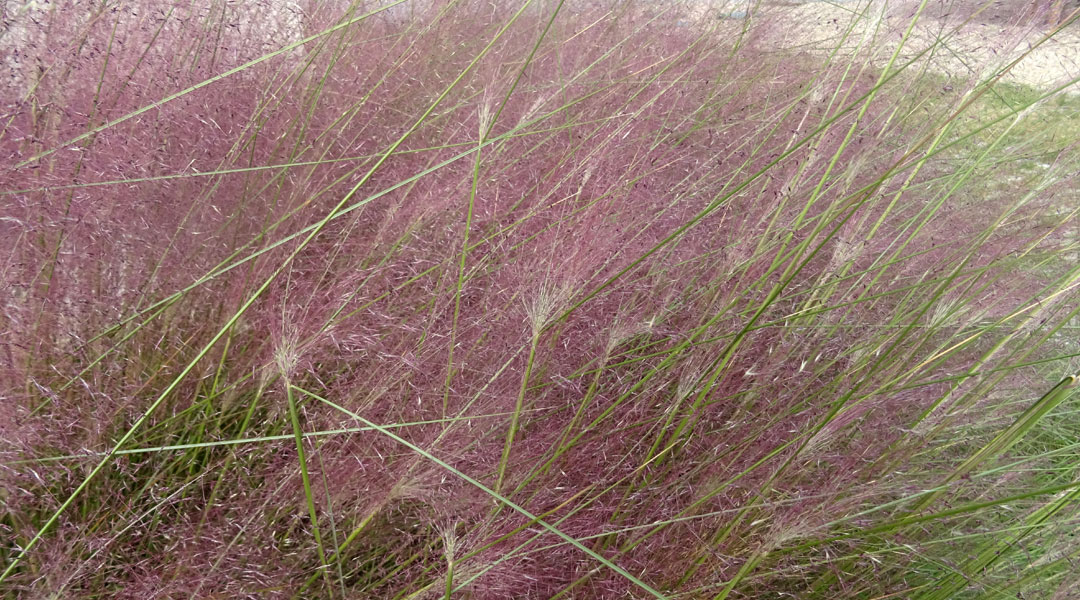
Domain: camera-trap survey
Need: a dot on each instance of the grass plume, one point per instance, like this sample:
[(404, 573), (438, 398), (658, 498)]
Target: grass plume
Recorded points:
[(535, 299)]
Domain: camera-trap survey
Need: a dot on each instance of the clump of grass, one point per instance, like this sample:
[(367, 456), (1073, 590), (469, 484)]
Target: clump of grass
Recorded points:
[(546, 299)]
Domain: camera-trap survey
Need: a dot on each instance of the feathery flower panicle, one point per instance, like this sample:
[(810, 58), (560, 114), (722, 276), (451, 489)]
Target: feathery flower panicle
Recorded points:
[(264, 270)]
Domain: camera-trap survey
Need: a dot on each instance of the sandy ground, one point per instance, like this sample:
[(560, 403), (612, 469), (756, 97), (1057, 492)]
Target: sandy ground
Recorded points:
[(964, 42), (970, 37)]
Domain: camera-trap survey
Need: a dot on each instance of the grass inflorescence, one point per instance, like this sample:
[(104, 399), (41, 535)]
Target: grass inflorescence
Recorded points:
[(546, 299)]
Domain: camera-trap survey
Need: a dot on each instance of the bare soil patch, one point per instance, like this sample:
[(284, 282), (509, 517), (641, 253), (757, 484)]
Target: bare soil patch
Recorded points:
[(962, 39)]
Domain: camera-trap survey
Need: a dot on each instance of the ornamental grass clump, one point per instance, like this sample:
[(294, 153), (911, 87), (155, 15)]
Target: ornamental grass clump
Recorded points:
[(529, 300)]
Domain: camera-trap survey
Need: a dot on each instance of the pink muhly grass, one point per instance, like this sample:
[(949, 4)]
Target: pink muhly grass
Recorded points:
[(674, 295)]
